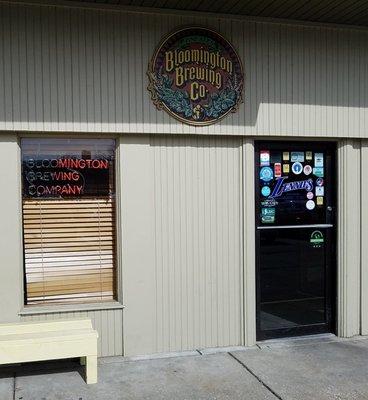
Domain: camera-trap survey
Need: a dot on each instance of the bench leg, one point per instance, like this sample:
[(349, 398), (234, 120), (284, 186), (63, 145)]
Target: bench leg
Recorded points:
[(91, 369)]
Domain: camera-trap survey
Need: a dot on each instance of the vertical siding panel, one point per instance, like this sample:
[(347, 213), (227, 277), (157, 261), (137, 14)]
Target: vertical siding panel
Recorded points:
[(8, 70), (124, 43), (23, 95), (104, 47), (349, 263), (97, 70), (198, 233), (45, 68), (76, 95), (364, 242), (81, 69), (53, 77), (15, 63), (111, 78), (2, 70), (38, 75), (60, 68), (89, 45), (68, 65), (131, 71)]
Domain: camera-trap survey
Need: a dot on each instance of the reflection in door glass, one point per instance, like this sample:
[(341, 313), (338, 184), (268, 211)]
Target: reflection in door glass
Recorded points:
[(292, 284)]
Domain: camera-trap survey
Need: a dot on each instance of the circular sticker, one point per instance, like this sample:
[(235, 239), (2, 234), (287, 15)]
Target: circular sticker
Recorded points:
[(310, 204), (266, 174), (297, 168), (266, 191), (319, 182), (310, 195), (307, 169)]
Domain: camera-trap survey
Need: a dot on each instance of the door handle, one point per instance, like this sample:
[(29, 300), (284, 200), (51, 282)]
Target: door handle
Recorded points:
[(296, 226)]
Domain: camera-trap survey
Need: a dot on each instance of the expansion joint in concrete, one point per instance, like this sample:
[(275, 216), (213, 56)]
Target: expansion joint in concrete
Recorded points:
[(256, 376), (14, 385)]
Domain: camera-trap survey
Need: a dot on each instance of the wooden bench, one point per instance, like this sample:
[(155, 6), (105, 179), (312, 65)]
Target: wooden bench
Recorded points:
[(50, 340)]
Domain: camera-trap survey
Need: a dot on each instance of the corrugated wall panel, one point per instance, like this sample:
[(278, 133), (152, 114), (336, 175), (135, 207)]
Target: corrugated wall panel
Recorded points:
[(182, 243), (348, 238), (84, 70), (108, 323), (198, 258), (364, 240)]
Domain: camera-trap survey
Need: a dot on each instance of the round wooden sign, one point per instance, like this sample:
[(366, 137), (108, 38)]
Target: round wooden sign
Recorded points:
[(196, 76)]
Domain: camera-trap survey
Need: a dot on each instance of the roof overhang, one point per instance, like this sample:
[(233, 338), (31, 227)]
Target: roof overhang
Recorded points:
[(340, 12)]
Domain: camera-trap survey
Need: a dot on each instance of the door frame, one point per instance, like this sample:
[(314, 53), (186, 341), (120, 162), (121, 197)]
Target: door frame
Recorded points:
[(331, 289)]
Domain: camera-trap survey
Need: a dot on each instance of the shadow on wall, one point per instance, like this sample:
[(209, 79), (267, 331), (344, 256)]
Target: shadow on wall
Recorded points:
[(76, 69)]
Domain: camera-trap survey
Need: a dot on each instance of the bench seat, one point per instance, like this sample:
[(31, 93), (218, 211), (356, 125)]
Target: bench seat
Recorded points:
[(50, 340)]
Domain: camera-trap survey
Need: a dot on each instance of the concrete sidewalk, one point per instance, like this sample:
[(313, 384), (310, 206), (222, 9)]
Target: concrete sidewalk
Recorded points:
[(316, 368)]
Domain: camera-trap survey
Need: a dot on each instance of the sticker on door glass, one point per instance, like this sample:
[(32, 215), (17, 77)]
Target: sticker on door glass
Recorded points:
[(308, 155), (297, 156), (286, 168), (316, 239), (269, 203), (310, 195), (319, 201), (307, 169), (285, 156), (266, 174), (318, 159), (297, 168), (277, 170), (266, 191), (282, 187), (320, 191), (268, 215), (310, 205), (318, 171), (319, 182), (264, 158)]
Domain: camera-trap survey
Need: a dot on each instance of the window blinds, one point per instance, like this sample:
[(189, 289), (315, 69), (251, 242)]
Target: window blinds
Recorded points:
[(69, 250), (68, 220)]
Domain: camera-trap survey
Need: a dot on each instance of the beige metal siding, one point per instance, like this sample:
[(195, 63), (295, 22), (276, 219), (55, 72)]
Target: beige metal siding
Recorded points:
[(364, 239), (348, 243), (11, 263), (182, 266), (83, 70), (108, 324)]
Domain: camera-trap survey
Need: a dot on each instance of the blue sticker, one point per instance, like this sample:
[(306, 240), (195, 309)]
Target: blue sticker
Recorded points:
[(268, 211), (319, 182), (297, 168), (266, 191), (266, 174), (318, 171), (297, 156)]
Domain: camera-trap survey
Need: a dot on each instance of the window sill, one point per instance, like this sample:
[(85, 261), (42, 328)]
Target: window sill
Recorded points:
[(55, 309)]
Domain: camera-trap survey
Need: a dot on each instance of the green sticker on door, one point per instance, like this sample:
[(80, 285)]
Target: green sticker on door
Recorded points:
[(317, 239)]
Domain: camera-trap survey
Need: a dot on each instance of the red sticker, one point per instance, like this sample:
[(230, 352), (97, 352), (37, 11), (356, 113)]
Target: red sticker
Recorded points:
[(277, 170)]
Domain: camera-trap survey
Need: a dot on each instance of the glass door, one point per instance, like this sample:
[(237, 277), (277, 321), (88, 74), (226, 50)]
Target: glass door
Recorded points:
[(295, 238)]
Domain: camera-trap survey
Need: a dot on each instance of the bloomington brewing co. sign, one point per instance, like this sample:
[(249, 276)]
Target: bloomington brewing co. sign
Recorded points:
[(196, 76)]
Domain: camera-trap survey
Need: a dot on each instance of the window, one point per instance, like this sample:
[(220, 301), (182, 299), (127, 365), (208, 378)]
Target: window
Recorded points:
[(68, 220)]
